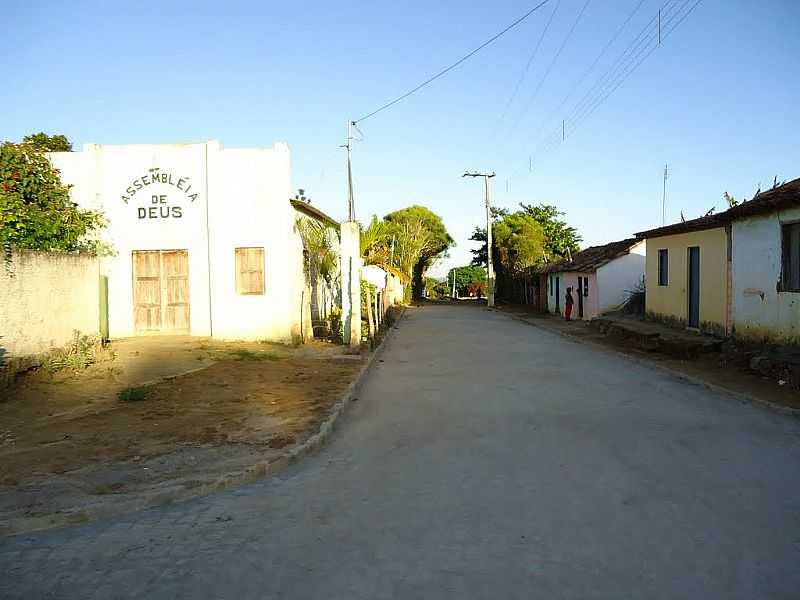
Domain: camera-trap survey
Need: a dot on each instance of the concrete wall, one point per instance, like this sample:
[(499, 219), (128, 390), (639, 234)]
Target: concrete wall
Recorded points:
[(671, 301), (47, 296), (215, 201), (570, 279), (759, 311), (619, 276)]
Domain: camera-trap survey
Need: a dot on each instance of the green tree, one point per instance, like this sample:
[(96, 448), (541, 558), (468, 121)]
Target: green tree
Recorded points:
[(464, 276), (425, 238), (48, 143), (520, 242), (559, 237), (35, 208)]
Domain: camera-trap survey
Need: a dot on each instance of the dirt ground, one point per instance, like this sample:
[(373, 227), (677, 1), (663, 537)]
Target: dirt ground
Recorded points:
[(709, 367), (66, 432)]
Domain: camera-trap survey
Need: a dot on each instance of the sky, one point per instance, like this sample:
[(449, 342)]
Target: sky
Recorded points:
[(718, 101)]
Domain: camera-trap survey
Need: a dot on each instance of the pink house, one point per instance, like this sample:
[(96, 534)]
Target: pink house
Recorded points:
[(600, 278)]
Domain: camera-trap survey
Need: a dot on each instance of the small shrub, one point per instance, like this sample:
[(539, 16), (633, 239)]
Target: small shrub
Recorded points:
[(133, 394), (245, 354), (75, 356)]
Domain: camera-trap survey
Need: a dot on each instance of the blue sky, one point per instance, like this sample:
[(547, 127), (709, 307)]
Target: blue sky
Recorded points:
[(719, 101)]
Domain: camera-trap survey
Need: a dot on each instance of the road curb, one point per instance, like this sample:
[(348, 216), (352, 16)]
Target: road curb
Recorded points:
[(743, 397), (251, 474)]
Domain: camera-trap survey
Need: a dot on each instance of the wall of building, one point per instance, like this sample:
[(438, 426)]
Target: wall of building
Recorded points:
[(671, 301), (109, 178), (44, 298), (619, 276), (249, 191), (211, 201), (759, 310)]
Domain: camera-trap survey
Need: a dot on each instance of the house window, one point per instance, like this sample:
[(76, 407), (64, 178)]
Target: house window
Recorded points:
[(250, 271), (585, 286), (551, 285), (790, 269), (663, 267)]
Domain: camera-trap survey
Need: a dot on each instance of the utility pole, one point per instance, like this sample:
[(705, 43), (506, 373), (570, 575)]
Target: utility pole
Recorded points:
[(489, 267), (664, 199), (453, 295), (351, 207)]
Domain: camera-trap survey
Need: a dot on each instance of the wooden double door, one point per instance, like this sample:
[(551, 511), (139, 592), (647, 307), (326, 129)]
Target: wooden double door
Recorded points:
[(161, 292)]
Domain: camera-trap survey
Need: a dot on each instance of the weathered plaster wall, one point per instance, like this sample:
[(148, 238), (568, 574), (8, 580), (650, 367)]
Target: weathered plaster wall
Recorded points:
[(249, 191), (671, 301), (759, 310), (619, 276), (225, 199), (570, 279), (47, 296), (102, 175)]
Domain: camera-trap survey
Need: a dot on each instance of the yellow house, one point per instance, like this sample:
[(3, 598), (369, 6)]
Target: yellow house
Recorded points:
[(687, 274)]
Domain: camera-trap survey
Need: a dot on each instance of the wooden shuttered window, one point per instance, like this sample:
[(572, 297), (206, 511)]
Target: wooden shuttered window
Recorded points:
[(250, 271)]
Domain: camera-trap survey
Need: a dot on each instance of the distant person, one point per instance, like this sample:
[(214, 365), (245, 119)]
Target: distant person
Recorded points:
[(569, 301)]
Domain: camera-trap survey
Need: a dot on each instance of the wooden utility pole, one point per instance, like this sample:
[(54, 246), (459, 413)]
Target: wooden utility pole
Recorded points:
[(489, 266)]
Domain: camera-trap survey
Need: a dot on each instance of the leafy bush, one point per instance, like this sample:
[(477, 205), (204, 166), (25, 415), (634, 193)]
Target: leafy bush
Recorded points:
[(75, 356), (133, 394)]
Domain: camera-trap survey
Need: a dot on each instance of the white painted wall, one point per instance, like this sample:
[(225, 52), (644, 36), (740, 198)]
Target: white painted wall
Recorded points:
[(620, 275), (216, 200), (44, 297), (758, 309)]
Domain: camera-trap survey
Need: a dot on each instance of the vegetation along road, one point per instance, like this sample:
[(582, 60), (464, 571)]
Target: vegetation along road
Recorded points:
[(485, 459)]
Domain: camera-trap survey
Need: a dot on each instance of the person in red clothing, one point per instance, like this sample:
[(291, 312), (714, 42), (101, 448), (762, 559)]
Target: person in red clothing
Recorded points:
[(568, 304)]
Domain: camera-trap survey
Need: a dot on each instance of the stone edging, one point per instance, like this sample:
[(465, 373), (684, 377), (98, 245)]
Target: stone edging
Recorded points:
[(259, 470), (741, 396)]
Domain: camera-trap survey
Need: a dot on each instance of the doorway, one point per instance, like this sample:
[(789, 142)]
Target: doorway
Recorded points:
[(161, 292), (694, 287), (558, 296), (582, 285)]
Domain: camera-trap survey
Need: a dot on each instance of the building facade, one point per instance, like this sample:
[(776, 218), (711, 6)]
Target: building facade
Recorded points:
[(687, 274), (601, 277), (765, 266), (203, 238)]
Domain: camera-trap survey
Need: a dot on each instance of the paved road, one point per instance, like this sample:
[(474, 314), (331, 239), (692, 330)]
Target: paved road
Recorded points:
[(485, 459)]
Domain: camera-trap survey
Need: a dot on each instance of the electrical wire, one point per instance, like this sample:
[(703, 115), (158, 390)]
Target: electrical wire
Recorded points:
[(629, 61), (524, 72), (550, 67), (597, 59), (454, 65)]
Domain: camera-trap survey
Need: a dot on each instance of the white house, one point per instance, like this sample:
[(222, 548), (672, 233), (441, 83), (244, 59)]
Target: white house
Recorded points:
[(765, 265), (203, 238), (600, 277)]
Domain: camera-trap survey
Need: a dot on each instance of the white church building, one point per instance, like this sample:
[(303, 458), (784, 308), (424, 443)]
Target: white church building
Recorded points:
[(203, 238)]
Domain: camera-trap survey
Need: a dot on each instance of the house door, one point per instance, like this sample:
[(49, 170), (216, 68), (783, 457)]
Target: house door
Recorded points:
[(161, 292), (581, 287), (694, 287), (558, 296)]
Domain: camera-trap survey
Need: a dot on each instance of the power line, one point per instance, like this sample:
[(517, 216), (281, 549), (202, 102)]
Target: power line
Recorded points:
[(592, 66), (552, 64), (628, 62), (455, 64), (528, 66), (613, 77)]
